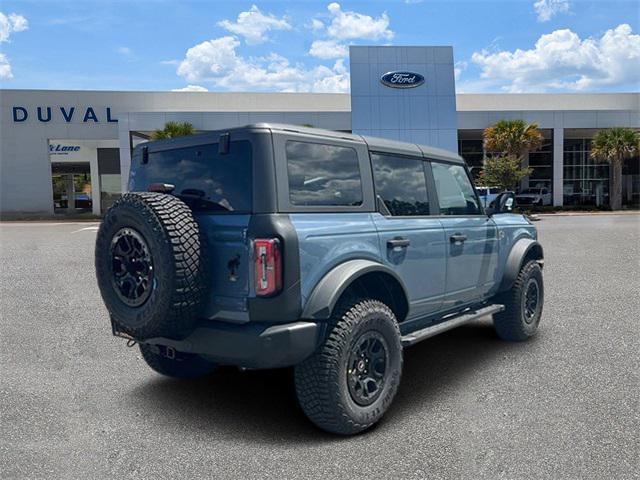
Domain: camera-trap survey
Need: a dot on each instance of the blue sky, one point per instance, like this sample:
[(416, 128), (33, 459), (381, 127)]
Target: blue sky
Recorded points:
[(514, 46)]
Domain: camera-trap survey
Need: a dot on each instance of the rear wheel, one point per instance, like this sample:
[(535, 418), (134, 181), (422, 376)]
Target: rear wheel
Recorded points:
[(523, 305), (171, 363), (351, 380)]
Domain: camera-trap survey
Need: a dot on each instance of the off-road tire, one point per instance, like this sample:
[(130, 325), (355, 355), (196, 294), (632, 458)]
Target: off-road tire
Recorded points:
[(512, 324), (182, 365), (321, 380), (176, 251)]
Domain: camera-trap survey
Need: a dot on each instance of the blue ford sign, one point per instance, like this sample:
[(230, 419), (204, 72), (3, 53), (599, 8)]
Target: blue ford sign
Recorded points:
[(402, 79)]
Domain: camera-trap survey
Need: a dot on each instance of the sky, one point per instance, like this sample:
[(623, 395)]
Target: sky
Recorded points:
[(159, 45)]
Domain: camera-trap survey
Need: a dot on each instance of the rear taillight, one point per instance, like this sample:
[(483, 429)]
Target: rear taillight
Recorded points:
[(268, 266)]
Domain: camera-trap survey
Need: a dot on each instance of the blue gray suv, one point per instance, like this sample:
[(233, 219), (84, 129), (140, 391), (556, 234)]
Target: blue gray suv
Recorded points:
[(275, 246)]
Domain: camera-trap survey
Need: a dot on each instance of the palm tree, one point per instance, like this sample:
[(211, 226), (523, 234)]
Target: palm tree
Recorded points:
[(512, 138), (173, 129), (614, 146)]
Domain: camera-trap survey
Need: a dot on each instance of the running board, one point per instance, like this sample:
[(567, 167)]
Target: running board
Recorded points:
[(452, 322)]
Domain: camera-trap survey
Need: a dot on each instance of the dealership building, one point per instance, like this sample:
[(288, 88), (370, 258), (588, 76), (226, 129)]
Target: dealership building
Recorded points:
[(69, 152)]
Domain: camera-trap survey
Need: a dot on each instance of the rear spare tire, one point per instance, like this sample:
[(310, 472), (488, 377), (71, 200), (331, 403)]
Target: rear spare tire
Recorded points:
[(149, 265)]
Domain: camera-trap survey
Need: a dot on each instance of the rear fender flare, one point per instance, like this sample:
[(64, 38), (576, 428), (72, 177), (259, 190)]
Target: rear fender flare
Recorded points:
[(515, 259), (330, 288)]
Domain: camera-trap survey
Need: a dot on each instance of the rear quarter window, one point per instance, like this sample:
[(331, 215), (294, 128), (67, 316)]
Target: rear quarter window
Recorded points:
[(204, 179), (323, 175)]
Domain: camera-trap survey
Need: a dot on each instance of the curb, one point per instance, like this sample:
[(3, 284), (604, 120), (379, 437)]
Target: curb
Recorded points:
[(576, 214)]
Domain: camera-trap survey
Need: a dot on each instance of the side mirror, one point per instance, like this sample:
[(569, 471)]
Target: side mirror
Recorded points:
[(503, 203)]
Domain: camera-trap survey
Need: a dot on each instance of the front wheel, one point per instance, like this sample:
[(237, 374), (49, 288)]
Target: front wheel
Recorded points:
[(175, 364), (523, 305), (348, 384)]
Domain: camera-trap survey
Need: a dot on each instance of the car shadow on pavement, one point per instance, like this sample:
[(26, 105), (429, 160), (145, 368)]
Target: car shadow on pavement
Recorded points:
[(260, 406)]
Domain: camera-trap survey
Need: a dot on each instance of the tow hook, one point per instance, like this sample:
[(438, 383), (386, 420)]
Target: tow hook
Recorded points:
[(131, 343)]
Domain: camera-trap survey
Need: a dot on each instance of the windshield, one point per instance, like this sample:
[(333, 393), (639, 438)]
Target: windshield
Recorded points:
[(204, 179)]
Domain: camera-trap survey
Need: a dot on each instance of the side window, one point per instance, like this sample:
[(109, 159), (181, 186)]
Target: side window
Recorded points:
[(322, 174), (455, 192), (401, 183)]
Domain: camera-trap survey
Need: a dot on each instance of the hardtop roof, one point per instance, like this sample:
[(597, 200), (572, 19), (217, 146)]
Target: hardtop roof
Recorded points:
[(375, 144)]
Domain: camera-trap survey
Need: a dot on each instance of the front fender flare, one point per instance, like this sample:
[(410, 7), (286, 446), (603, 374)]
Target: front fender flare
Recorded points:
[(329, 289), (515, 258)]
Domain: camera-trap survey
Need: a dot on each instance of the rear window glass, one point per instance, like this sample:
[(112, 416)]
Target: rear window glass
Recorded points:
[(204, 179), (321, 174)]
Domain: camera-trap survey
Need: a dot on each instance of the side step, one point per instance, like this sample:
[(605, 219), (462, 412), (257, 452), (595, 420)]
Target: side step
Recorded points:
[(450, 323)]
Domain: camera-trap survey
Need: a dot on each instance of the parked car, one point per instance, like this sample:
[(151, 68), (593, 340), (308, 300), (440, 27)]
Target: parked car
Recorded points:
[(487, 194), (274, 246), (534, 196)]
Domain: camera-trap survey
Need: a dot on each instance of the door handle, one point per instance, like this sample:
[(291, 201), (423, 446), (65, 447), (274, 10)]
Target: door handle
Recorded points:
[(398, 242), (457, 238)]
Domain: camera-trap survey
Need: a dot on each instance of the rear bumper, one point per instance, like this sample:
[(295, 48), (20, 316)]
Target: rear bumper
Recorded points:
[(252, 345)]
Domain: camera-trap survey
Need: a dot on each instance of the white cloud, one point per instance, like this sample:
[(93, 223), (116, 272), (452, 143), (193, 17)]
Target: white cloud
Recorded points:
[(347, 26), (326, 49), (217, 62), (11, 23), (546, 9), (253, 25), (5, 67), (316, 25), (191, 88), (210, 59), (562, 61), (335, 80), (352, 25)]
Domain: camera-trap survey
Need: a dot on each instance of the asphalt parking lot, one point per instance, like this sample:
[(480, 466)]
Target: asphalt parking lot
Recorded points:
[(75, 402)]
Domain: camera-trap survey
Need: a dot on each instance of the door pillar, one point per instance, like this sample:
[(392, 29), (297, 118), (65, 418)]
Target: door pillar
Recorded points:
[(558, 167)]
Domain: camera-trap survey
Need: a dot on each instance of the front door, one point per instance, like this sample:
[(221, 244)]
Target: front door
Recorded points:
[(470, 237), (411, 240), (71, 185)]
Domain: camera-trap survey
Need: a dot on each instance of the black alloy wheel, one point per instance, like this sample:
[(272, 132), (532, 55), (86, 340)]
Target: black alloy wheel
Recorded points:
[(367, 367), (131, 267)]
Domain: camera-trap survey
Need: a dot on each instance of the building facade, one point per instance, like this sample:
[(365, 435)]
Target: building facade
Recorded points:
[(69, 152)]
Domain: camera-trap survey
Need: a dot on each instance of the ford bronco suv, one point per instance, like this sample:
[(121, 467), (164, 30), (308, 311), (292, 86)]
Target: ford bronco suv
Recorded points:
[(274, 246)]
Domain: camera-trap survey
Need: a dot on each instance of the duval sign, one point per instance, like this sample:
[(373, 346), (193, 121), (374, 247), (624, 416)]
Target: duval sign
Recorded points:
[(399, 79), (67, 114)]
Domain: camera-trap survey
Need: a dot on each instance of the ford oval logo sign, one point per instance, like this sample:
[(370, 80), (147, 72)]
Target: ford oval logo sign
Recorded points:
[(402, 79)]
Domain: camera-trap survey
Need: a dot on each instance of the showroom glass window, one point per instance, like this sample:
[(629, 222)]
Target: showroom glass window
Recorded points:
[(472, 150), (586, 181), (401, 184), (323, 175), (456, 195), (541, 163)]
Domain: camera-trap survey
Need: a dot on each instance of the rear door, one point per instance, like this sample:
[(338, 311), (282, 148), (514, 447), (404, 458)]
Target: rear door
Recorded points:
[(218, 187), (470, 236), (411, 239)]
